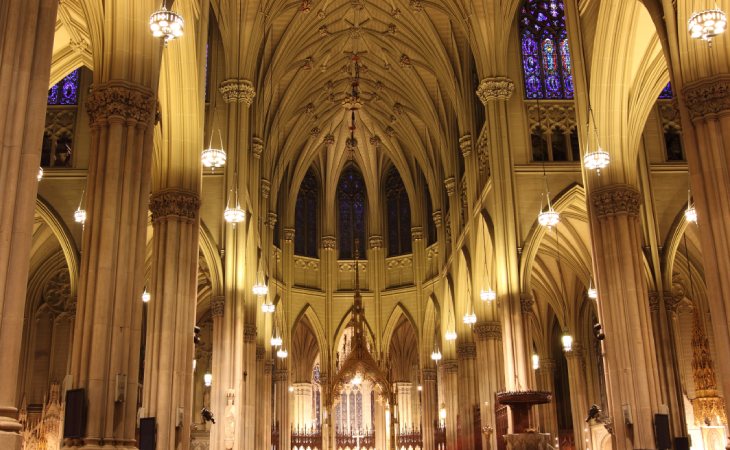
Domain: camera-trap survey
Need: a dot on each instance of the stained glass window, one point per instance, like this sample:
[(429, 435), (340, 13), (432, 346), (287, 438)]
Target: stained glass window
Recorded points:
[(351, 198), (667, 93), (66, 91), (398, 213), (305, 217), (359, 412), (432, 231), (545, 54)]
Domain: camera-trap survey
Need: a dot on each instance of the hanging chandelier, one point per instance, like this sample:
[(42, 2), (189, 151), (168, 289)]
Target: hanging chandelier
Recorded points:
[(690, 214), (436, 354), (535, 361), (260, 289), (450, 335), (80, 214), (596, 160), (267, 307), (214, 158), (567, 341), (707, 24), (548, 218), (166, 24), (146, 297), (592, 293), (488, 295), (470, 318), (276, 341), (281, 353), (236, 214), (40, 174)]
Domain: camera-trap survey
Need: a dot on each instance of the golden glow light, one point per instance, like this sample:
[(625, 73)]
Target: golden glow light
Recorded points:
[(548, 218), (488, 296), (166, 24), (707, 24), (40, 174), (450, 335), (567, 341), (597, 160), (208, 379), (80, 215)]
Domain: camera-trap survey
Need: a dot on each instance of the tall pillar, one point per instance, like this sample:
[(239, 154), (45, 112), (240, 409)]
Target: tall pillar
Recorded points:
[(171, 315), (495, 93), (468, 397), (281, 389), (450, 381), (578, 400), (632, 380), (490, 366), (302, 414), (546, 382), (26, 34), (381, 437), (429, 407), (405, 413), (218, 389)]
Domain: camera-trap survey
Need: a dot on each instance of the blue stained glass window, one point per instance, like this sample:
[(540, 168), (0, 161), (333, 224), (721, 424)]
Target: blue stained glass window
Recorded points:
[(305, 217), (667, 93), (398, 213), (546, 59), (351, 198), (66, 91)]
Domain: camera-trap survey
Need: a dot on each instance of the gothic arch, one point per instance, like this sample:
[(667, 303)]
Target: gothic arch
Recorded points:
[(307, 313), (400, 312), (51, 218)]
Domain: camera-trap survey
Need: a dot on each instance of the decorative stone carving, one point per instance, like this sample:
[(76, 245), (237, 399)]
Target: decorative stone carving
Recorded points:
[(466, 350), (450, 365), (552, 114), (617, 199), (709, 97), (305, 6), (324, 31), (249, 332), (281, 375), (329, 242), (174, 204), (392, 29), (429, 374), (57, 294), (315, 132), (496, 88), (437, 217), (416, 5), (289, 234), (120, 100), (526, 302), (260, 352), (265, 188), (257, 147), (217, 305), (375, 141), (654, 301), (483, 152), (450, 185), (389, 131), (488, 330), (237, 90), (376, 241), (465, 145), (671, 301), (417, 233), (405, 61), (329, 140), (271, 222)]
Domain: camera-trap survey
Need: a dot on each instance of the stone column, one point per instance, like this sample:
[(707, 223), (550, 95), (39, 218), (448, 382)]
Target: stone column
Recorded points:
[(429, 407), (218, 389), (281, 389), (490, 367), (548, 412), (303, 415), (495, 93), (381, 437), (268, 409), (450, 381), (632, 379), (26, 31), (105, 354), (471, 167), (453, 221), (705, 111), (468, 397), (405, 406), (578, 400)]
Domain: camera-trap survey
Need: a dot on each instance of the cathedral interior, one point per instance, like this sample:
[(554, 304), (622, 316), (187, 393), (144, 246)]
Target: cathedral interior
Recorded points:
[(364, 224)]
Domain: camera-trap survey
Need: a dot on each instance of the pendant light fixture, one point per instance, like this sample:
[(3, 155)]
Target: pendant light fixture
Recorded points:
[(690, 214), (599, 158), (706, 24), (40, 174), (436, 353), (470, 318), (80, 214), (146, 297), (549, 217), (592, 292), (486, 295), (214, 158), (235, 214), (566, 339), (166, 24)]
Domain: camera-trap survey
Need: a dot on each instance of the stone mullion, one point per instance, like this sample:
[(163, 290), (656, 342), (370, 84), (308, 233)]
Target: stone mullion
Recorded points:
[(27, 33), (429, 407), (548, 411), (705, 113), (632, 381), (169, 349), (495, 93), (490, 367), (578, 397), (218, 389)]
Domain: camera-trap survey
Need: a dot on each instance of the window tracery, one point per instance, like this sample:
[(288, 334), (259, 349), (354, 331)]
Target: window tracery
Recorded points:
[(305, 217), (66, 91), (351, 198), (398, 213)]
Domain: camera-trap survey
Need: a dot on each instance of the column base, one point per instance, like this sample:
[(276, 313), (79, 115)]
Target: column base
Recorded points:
[(527, 441), (10, 440)]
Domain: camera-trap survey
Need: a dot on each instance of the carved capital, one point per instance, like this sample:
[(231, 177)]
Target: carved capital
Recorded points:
[(547, 364), (237, 91), (488, 330), (615, 200), (249, 332), (495, 88), (174, 204), (709, 97), (271, 222), (466, 350), (257, 147), (375, 241), (329, 140), (450, 185), (437, 217), (429, 374), (329, 242), (260, 352), (450, 366), (265, 188), (465, 145), (289, 234), (217, 306), (526, 302), (654, 301), (281, 375), (121, 100), (268, 368), (575, 352), (671, 301), (417, 233)]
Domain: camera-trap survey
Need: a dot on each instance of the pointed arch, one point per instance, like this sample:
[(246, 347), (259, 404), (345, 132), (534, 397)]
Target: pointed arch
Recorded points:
[(399, 313), (306, 215), (397, 214), (351, 211), (63, 235)]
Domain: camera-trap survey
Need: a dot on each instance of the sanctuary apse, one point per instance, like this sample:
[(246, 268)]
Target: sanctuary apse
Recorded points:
[(363, 224)]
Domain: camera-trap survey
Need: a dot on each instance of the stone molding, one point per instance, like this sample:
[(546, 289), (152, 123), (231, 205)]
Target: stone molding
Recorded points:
[(329, 242), (526, 302), (654, 301), (265, 188), (271, 219), (281, 375), (616, 200), (260, 352), (417, 233), (268, 367), (488, 330), (450, 185), (375, 241), (289, 234), (465, 145), (237, 91), (429, 375), (249, 332), (495, 88), (671, 301), (437, 217), (708, 98), (122, 100), (257, 147), (466, 350), (450, 365), (217, 305), (174, 204)]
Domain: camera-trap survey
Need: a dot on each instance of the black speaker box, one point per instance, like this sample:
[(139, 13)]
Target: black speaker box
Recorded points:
[(148, 433), (74, 419), (661, 431)]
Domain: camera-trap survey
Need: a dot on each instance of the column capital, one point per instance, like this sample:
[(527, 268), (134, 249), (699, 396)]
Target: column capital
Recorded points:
[(429, 374), (217, 305), (450, 365), (671, 301), (616, 200), (271, 219), (329, 242), (289, 234), (121, 100), (488, 330), (547, 364), (465, 144), (466, 350), (265, 188), (375, 241), (174, 204), (495, 88), (281, 375), (260, 352), (417, 233), (237, 91), (257, 147), (450, 185), (575, 352), (437, 217), (249, 332), (709, 97), (654, 301), (526, 302)]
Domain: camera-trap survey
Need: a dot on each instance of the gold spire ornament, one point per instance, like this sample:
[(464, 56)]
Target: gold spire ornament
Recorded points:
[(708, 406)]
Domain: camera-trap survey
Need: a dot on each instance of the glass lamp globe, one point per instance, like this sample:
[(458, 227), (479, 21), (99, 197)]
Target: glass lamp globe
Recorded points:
[(80, 215), (282, 354), (597, 160), (276, 341), (260, 289), (436, 355), (548, 218), (690, 214), (268, 308), (470, 318), (488, 295), (213, 158), (450, 335), (707, 24), (234, 215), (166, 24)]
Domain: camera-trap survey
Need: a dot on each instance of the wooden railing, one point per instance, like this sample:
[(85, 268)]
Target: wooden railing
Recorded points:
[(439, 436), (306, 437), (410, 438), (349, 438)]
